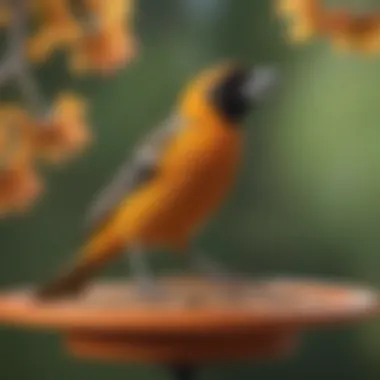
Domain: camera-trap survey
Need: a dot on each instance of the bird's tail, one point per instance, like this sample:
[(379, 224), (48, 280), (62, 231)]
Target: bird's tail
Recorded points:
[(71, 282)]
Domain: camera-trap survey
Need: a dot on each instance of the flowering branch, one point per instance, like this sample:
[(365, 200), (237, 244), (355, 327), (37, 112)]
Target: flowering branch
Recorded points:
[(37, 129), (17, 56), (346, 30)]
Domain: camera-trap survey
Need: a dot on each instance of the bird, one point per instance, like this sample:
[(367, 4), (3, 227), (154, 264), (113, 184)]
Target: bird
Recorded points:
[(174, 182)]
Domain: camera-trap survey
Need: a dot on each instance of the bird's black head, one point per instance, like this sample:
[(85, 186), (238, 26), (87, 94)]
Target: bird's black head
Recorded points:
[(239, 89)]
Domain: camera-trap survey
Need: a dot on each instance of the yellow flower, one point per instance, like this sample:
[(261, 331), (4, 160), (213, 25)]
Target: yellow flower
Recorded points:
[(302, 30), (19, 189), (110, 12), (63, 133), (288, 8), (58, 29), (304, 18), (360, 34), (347, 31), (16, 149), (107, 42), (23, 139), (104, 50), (19, 182)]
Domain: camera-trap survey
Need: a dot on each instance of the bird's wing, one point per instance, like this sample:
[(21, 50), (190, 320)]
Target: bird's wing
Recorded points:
[(134, 172)]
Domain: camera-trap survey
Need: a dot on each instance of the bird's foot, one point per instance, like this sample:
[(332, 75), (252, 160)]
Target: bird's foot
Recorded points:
[(229, 283), (149, 291)]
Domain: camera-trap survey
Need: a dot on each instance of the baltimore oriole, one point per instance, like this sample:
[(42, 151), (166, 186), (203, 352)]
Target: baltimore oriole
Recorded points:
[(176, 178)]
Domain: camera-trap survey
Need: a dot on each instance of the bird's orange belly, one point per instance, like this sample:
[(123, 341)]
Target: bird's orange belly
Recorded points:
[(187, 209), (170, 211)]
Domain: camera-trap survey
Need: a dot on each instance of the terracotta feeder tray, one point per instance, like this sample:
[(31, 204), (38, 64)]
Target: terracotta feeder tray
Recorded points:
[(191, 321)]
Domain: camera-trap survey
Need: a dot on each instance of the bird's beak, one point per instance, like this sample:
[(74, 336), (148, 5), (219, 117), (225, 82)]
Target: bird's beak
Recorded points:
[(261, 82)]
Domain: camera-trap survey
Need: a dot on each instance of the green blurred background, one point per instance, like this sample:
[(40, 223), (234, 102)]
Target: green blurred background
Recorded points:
[(307, 201)]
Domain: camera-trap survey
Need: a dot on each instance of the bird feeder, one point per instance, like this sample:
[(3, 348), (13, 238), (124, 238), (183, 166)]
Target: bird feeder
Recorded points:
[(193, 322)]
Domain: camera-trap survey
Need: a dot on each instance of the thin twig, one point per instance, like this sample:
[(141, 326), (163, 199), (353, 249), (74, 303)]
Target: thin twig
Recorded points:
[(19, 60), (6, 67), (18, 27)]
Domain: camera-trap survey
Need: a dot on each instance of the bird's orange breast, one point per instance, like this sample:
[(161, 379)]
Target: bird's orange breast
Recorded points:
[(193, 177)]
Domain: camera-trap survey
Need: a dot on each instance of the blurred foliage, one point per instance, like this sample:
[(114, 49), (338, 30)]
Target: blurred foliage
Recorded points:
[(306, 202)]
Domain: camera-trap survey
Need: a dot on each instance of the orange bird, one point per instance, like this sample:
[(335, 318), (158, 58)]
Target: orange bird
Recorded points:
[(175, 180)]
